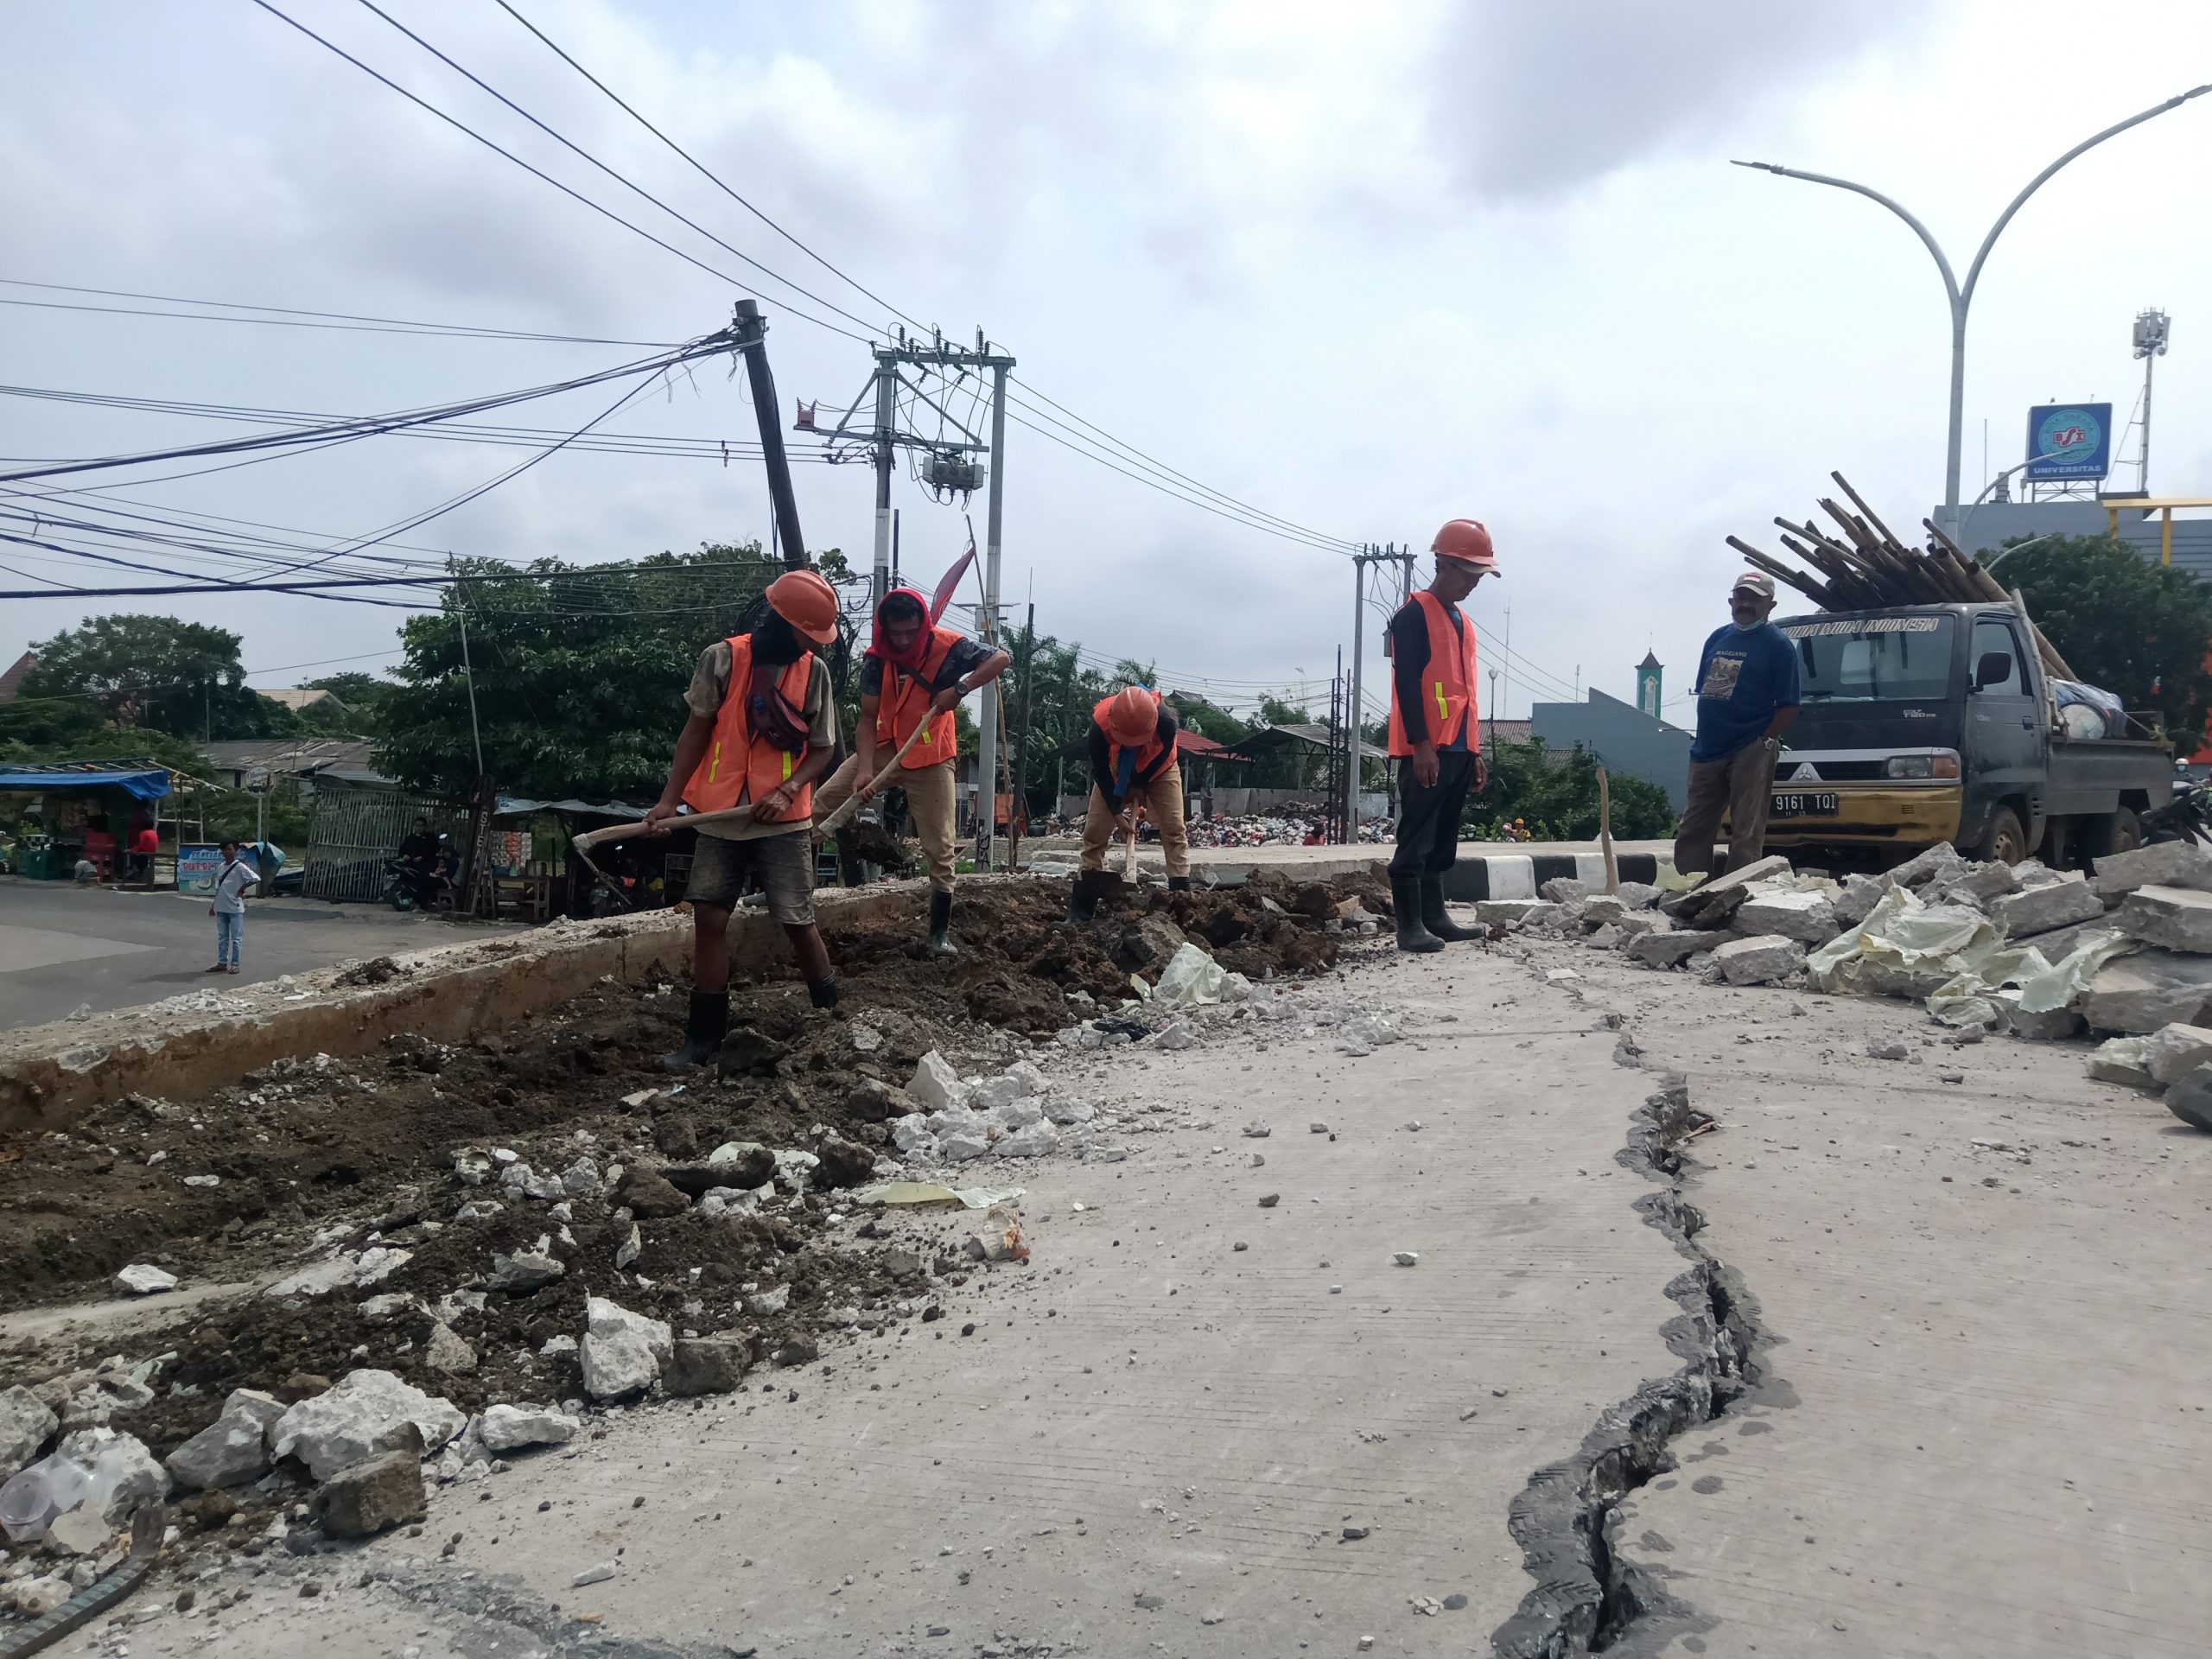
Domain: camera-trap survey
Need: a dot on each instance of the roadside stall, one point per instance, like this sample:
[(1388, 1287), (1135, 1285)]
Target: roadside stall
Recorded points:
[(95, 812)]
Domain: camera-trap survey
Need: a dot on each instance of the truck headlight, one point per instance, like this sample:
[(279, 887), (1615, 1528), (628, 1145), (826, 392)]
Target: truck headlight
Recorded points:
[(1942, 765)]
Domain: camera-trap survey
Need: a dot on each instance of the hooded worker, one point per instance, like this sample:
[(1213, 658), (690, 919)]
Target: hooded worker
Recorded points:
[(915, 673), (1433, 733), (763, 727), (1133, 769)]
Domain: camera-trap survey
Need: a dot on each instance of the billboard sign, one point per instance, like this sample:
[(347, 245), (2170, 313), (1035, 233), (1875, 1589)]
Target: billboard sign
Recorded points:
[(2068, 440), (197, 866)]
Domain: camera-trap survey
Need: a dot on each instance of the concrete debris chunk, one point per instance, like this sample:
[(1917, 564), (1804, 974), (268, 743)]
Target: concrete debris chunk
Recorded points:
[(1600, 908), (1406, 1258), (2172, 1050), (1031, 1141), (2038, 910), (1859, 895), (144, 1279), (2137, 994), (763, 1303), (232, 1449), (705, 1365), (2191, 1099), (632, 1247), (524, 1271), (1980, 883), (1256, 1130), (446, 1351), (958, 1145), (514, 1428), (582, 1179), (935, 1083), (1939, 863), (2166, 864), (2122, 1060), (25, 1424), (735, 1163), (368, 1412), (123, 1464), (1808, 918), (2179, 918), (1513, 912), (598, 1574), (1758, 961), (1564, 890), (373, 1493), (1671, 949)]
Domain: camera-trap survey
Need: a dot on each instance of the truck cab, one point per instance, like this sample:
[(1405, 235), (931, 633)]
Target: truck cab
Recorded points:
[(1927, 723)]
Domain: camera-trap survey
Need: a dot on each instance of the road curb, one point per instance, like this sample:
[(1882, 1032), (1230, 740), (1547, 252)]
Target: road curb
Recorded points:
[(1520, 875)]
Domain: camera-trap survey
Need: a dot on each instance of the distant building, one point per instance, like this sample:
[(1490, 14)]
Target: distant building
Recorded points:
[(1623, 738), (1648, 696), (298, 697), (240, 763), (1984, 528), (12, 681)]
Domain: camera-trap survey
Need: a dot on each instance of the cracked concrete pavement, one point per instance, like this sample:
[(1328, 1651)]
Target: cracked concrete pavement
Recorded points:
[(1145, 1411)]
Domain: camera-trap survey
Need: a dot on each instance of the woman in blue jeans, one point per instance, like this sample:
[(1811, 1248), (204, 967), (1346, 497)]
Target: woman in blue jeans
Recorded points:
[(228, 907)]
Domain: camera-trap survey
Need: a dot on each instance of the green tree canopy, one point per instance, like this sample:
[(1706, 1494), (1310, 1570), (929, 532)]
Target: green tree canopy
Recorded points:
[(2139, 630), (155, 673), (1556, 795)]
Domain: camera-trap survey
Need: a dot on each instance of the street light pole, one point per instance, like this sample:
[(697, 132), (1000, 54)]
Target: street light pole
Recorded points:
[(1962, 294)]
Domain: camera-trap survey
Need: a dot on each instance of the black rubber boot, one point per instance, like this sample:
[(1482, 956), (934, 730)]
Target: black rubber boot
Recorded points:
[(1437, 919), (1413, 935), (702, 1033), (1082, 901), (1178, 884), (850, 874), (940, 943), (824, 993)]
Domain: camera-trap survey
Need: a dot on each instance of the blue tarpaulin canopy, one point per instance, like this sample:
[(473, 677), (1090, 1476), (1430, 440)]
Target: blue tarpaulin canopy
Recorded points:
[(147, 786)]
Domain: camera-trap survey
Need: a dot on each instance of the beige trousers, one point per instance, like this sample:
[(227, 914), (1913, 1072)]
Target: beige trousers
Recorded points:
[(1162, 799), (929, 797)]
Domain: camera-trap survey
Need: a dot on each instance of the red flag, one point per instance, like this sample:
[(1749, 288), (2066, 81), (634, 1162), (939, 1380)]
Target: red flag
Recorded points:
[(950, 582)]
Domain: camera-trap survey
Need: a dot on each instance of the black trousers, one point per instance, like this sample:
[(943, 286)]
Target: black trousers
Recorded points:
[(1428, 819)]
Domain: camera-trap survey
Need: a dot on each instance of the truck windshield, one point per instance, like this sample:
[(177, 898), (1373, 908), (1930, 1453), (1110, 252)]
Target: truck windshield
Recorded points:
[(1869, 659)]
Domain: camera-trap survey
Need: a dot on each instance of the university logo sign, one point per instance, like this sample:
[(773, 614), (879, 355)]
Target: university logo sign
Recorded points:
[(2069, 440)]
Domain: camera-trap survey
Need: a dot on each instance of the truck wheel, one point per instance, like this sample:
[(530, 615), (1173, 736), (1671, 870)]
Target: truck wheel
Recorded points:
[(2005, 842), (2126, 830)]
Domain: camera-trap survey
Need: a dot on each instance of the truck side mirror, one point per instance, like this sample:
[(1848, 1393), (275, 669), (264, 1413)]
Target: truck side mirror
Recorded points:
[(1994, 668)]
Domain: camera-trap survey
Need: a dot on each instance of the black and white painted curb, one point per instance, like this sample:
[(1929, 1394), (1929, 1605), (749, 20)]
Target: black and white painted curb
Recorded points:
[(1520, 875)]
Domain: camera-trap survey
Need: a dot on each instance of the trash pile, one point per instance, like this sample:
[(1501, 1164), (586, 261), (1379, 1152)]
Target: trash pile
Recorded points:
[(1987, 947), (1293, 827)]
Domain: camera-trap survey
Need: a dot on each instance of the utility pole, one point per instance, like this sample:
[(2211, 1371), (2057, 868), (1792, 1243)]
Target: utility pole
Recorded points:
[(468, 674), (752, 332), (1020, 816), (1359, 641), (887, 402), (2150, 332), (987, 734)]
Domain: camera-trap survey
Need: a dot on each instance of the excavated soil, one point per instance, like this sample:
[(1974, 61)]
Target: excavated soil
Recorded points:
[(313, 1153)]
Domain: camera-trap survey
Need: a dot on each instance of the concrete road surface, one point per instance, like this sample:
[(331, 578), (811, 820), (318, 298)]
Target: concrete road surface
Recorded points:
[(62, 946)]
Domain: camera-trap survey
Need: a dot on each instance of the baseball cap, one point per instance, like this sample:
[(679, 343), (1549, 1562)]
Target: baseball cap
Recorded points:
[(1756, 582)]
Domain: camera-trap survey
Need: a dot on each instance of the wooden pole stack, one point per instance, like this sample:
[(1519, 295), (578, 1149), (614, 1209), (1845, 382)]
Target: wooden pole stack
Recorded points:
[(1866, 568)]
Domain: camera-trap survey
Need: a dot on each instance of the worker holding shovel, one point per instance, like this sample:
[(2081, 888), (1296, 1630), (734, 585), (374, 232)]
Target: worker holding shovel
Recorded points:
[(1133, 766), (763, 728), (915, 673)]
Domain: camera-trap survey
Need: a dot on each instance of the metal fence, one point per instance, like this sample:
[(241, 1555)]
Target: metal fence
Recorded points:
[(356, 830)]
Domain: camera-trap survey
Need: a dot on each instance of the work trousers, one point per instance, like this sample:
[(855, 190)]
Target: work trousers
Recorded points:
[(230, 933), (929, 798), (1428, 816), (1162, 800), (1742, 784)]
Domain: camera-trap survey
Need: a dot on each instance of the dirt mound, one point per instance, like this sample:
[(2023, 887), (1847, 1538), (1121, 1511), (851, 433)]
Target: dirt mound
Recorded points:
[(314, 1155)]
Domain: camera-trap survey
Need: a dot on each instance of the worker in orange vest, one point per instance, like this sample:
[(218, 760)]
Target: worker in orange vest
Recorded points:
[(1434, 733), (763, 727), (1133, 768), (914, 674)]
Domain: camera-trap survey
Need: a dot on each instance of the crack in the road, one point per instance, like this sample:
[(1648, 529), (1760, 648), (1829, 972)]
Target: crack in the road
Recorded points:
[(1588, 1598)]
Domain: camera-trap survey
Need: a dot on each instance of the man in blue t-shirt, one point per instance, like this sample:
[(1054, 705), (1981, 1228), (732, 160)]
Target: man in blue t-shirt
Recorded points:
[(1747, 698)]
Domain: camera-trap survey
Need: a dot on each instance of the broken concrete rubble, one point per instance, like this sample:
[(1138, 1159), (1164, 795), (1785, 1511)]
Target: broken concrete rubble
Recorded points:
[(232, 1449), (622, 1352), (2122, 1059), (1808, 917), (25, 1425), (2179, 918), (2191, 1099), (2165, 864), (1760, 960), (2038, 910), (1860, 894), (513, 1428), (2139, 993), (1671, 948), (1512, 912), (368, 1411), (365, 1497), (2172, 1050), (705, 1365)]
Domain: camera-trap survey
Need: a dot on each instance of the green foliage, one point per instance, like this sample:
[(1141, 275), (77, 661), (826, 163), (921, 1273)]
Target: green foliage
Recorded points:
[(2138, 629), (364, 695), (1274, 711), (1556, 796), (1200, 716), (579, 679), (150, 671)]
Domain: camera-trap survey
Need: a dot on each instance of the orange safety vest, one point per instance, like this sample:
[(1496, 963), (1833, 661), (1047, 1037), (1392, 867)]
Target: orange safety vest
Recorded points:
[(1447, 682), (1149, 752), (739, 768), (904, 698)]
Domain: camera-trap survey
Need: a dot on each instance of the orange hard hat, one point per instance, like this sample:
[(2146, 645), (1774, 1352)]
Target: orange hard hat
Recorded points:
[(807, 602), (1465, 540), (1133, 716)]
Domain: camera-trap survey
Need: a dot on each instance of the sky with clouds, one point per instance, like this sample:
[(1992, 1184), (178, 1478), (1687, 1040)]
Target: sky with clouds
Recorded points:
[(1362, 269)]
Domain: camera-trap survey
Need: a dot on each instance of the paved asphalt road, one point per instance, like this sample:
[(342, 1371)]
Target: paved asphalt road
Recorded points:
[(62, 946)]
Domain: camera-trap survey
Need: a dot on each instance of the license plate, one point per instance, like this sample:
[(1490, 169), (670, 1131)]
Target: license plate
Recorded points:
[(1795, 805)]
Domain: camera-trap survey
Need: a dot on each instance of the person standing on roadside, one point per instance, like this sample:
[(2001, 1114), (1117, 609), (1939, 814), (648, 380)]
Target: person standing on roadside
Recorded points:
[(1433, 733), (915, 673), (1746, 699), (228, 907), (763, 727)]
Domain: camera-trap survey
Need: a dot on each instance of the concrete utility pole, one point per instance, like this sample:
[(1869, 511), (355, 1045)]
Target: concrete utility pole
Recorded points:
[(887, 391), (1389, 553), (1962, 294), (987, 728), (752, 331)]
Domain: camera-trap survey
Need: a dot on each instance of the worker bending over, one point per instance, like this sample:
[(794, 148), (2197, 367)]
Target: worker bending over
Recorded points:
[(763, 727), (913, 675), (1133, 765), (1434, 733)]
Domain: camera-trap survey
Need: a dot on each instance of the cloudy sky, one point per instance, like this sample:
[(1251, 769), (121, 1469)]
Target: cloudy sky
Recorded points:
[(1361, 269)]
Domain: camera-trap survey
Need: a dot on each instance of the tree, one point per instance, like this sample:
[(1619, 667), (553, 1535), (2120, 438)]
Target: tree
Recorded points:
[(154, 671), (579, 674), (2139, 630), (1556, 796), (364, 697)]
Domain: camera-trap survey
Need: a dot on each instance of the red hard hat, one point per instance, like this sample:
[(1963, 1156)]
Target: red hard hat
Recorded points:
[(807, 602), (1133, 717), (1465, 540)]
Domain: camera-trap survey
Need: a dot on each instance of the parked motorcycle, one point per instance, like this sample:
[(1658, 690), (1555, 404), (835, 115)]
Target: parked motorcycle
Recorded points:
[(2187, 816), (408, 886)]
